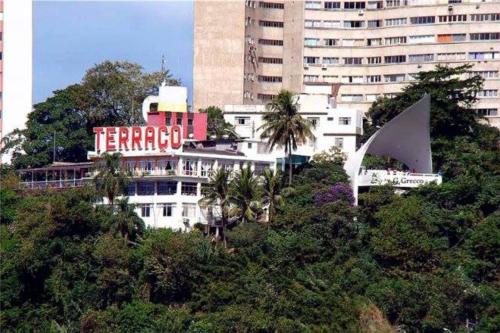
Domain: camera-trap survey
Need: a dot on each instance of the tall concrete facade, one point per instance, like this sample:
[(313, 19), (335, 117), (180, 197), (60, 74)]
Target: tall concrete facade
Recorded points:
[(16, 75), (367, 48)]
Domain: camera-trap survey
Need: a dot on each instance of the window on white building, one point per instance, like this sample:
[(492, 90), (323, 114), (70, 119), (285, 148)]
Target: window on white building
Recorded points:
[(189, 210), (145, 210), (394, 78), (353, 61), (339, 142), (395, 40), (330, 61), (373, 78), (374, 60), (396, 59), (189, 188), (344, 120), (145, 188), (395, 21), (451, 56), (485, 17), (417, 39), (166, 187), (311, 41), (332, 5), (331, 24), (314, 121), (311, 60), (167, 209), (488, 112), (488, 93), (483, 55), (422, 20), (313, 4), (354, 24), (421, 57), (485, 36), (245, 121)]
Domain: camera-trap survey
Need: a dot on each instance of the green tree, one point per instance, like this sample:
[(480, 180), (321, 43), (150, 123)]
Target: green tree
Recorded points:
[(271, 193), (126, 222), (453, 93), (56, 126), (285, 127), (216, 124), (244, 196), (110, 94), (110, 179), (217, 194)]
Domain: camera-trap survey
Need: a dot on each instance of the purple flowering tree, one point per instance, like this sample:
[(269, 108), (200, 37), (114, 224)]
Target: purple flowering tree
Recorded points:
[(339, 191)]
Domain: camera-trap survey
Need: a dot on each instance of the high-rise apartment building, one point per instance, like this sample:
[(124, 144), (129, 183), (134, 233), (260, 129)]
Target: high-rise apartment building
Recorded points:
[(16, 65), (246, 51)]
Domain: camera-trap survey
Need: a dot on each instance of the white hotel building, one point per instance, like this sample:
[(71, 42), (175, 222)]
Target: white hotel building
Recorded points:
[(166, 183)]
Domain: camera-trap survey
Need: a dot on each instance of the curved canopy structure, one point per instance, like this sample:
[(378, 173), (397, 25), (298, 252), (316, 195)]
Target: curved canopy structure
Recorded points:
[(405, 138)]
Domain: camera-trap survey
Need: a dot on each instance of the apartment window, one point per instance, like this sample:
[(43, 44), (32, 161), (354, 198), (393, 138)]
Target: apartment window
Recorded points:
[(330, 61), (312, 24), (353, 42), (374, 23), (145, 188), (311, 60), (130, 189), (330, 78), (271, 24), (250, 4), (394, 78), (313, 5), (450, 38), (375, 5), (189, 210), (329, 119), (397, 59), (454, 1), (331, 42), (483, 55), (166, 188), (374, 60), (395, 40), (339, 142), (417, 39), (485, 36), (331, 24), (265, 97), (311, 78), (374, 41), (373, 78), (167, 209), (488, 112), (353, 61), (371, 97), (485, 17), (488, 93), (147, 166), (266, 60), (354, 5), (351, 98), (189, 167), (272, 42), (452, 18), (179, 121), (485, 74), (352, 79), (331, 5), (451, 56), (422, 20), (311, 41), (314, 121), (145, 210), (189, 188), (346, 120), (395, 21), (420, 57), (271, 5), (263, 78), (394, 3), (354, 24), (245, 121)]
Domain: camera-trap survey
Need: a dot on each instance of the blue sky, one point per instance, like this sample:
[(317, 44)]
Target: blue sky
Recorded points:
[(71, 36)]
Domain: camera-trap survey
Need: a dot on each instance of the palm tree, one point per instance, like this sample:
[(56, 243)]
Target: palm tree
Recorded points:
[(126, 222), (271, 192), (284, 126), (216, 193), (245, 193), (110, 179)]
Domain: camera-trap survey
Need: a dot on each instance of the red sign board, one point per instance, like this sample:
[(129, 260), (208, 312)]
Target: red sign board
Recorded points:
[(137, 138)]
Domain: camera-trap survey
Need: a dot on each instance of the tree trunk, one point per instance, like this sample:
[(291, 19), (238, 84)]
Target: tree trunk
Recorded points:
[(289, 164)]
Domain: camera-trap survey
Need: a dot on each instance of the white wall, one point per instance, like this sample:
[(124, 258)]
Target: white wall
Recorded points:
[(17, 65)]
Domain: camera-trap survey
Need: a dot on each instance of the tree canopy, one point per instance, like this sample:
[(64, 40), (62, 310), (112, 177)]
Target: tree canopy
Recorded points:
[(110, 94)]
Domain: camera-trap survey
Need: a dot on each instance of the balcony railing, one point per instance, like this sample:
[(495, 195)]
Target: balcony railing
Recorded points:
[(55, 184)]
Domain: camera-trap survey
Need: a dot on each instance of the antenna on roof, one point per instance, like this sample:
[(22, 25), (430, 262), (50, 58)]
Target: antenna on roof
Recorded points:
[(163, 70)]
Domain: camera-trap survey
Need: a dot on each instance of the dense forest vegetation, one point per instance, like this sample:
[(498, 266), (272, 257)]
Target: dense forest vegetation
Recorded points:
[(425, 261)]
